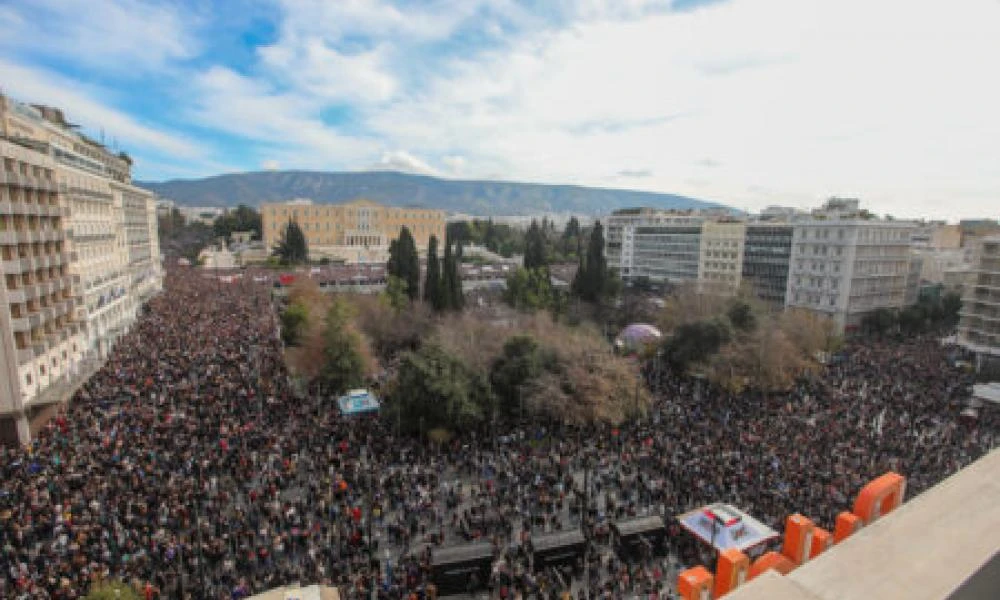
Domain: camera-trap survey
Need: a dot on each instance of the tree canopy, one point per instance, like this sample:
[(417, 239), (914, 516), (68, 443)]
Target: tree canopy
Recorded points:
[(434, 291), (292, 248), (594, 281), (242, 218), (534, 248), (404, 262)]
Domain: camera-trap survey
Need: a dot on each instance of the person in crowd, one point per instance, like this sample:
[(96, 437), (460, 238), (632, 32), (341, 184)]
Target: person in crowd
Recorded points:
[(188, 467)]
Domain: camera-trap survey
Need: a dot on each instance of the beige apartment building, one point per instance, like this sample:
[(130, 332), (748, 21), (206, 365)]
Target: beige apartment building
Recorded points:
[(720, 261), (41, 338), (356, 232), (106, 243)]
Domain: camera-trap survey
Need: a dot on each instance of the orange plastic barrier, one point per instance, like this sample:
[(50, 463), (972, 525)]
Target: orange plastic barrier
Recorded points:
[(772, 560), (731, 572), (798, 538), (822, 541), (880, 497), (695, 584), (847, 525)]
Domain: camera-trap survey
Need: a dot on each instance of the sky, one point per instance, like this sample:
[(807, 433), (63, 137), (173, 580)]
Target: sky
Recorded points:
[(749, 103)]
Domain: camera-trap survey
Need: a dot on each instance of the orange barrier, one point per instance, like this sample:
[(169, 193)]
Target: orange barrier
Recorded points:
[(798, 538), (847, 525), (695, 584), (731, 572), (880, 497), (803, 541), (771, 560), (822, 541)]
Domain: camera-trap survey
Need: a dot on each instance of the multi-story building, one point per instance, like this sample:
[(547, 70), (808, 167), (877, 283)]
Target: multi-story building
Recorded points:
[(766, 252), (660, 246), (107, 242), (979, 327), (41, 339), (355, 232), (142, 242), (844, 266), (937, 235), (721, 254)]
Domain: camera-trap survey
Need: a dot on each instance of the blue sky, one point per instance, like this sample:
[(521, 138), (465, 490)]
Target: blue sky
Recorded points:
[(747, 102)]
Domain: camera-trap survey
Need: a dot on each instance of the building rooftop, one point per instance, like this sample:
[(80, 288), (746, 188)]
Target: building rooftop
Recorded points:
[(943, 544)]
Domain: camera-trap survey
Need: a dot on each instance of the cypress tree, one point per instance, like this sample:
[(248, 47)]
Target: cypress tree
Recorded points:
[(457, 300), (292, 248), (404, 262), (433, 289), (447, 277)]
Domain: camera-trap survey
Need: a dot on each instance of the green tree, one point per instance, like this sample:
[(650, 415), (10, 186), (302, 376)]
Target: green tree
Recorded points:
[(242, 218), (529, 290), (433, 288), (741, 316), (112, 590), (951, 304), (534, 248), (572, 229), (437, 388), (395, 293), (593, 281), (456, 295), (292, 248), (522, 361), (913, 319), (404, 262), (293, 319), (694, 342), (343, 363), (880, 321)]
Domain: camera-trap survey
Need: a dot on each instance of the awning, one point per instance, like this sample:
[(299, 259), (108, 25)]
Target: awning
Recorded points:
[(358, 402), (733, 527)]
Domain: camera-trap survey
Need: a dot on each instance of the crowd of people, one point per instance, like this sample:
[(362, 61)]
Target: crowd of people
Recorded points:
[(188, 467)]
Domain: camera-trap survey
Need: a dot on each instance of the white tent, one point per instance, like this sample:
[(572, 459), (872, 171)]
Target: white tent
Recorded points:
[(724, 526)]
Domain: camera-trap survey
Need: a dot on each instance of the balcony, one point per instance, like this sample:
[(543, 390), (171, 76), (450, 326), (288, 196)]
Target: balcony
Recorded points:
[(25, 355), (16, 266), (17, 296), (20, 325), (8, 237)]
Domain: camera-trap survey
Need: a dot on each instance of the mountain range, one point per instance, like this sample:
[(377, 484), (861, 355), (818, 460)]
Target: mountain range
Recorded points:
[(481, 198)]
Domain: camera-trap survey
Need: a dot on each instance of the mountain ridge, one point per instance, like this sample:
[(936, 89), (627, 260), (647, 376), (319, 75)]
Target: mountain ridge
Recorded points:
[(467, 196)]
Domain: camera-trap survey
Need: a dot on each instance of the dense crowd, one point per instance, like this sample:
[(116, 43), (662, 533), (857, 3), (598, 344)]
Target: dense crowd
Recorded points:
[(189, 468)]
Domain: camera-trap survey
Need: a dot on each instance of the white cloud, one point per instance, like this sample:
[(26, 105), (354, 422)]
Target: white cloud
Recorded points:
[(889, 100), (270, 165), (403, 161), (311, 66), (117, 36), (81, 106), (286, 124)]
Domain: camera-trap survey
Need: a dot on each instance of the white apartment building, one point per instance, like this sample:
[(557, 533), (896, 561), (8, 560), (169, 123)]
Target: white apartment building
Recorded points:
[(979, 328), (844, 266), (142, 241), (661, 246), (41, 340), (720, 259), (107, 241)]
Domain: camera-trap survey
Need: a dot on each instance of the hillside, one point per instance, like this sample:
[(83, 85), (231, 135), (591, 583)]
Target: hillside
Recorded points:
[(400, 189)]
